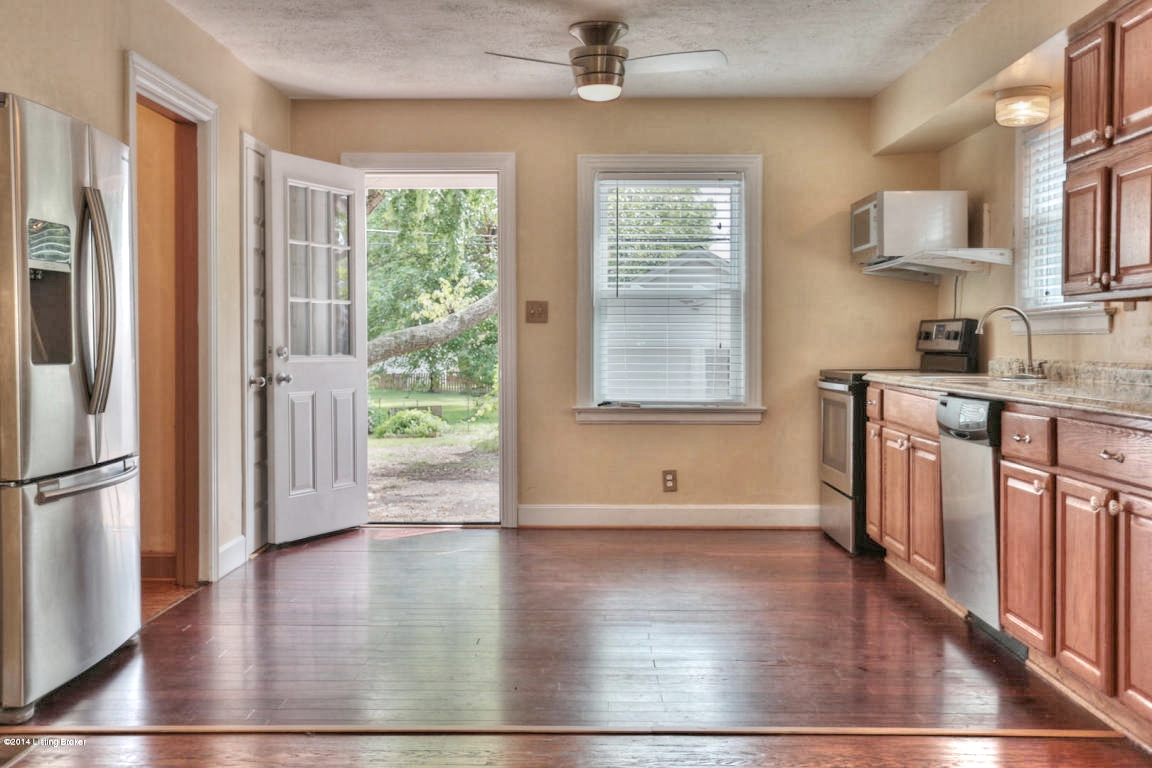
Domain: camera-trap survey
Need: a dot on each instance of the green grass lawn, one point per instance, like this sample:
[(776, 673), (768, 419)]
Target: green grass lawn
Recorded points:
[(458, 407)]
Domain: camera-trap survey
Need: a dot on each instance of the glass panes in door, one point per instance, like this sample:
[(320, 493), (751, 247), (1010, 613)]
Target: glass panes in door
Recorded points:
[(320, 303)]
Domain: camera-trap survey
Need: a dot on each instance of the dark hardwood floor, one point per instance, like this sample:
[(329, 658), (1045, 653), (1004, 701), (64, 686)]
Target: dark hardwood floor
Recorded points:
[(640, 645)]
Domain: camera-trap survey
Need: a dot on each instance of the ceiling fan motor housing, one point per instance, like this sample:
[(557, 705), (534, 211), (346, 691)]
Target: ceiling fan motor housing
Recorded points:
[(598, 64)]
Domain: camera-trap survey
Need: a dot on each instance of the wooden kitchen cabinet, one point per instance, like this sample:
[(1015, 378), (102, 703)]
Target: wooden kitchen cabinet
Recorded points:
[(894, 497), (1134, 604), (1085, 231), (1085, 582), (1027, 554), (873, 483), (925, 515), (1107, 90), (1088, 92), (1130, 254)]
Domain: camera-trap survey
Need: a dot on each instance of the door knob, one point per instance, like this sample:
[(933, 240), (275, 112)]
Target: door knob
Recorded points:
[(282, 352), (258, 381), (283, 378)]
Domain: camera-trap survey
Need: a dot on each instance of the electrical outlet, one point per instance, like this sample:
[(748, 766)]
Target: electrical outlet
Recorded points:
[(668, 480)]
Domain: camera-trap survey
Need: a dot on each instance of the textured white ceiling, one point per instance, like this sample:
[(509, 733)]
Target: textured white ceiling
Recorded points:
[(434, 49)]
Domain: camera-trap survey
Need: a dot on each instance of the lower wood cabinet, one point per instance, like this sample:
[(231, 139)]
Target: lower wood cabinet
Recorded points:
[(1085, 582), (1134, 604), (873, 483), (1027, 556), (894, 472), (925, 516)]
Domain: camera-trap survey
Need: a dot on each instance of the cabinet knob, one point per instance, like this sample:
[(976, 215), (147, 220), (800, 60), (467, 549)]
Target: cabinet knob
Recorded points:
[(1094, 503), (1109, 456), (871, 402), (1105, 279), (873, 434), (1109, 131), (1114, 507), (1026, 439), (1039, 486)]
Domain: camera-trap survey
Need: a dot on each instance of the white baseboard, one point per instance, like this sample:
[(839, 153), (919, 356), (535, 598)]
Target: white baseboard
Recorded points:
[(232, 555), (669, 516)]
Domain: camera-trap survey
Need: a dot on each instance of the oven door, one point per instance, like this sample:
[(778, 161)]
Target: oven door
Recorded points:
[(837, 435)]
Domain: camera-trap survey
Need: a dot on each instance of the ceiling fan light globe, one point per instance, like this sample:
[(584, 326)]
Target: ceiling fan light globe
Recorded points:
[(599, 92)]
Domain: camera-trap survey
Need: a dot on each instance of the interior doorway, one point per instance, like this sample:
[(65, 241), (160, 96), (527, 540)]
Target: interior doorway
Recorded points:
[(434, 363), (168, 268)]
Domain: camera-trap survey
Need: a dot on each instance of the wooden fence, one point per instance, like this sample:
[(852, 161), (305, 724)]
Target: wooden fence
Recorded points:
[(422, 382)]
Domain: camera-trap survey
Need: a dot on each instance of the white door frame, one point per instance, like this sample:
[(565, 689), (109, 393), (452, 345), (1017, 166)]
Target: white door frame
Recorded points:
[(503, 164), (147, 80)]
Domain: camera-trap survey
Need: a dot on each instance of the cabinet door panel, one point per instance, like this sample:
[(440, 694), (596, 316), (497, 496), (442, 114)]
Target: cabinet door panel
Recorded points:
[(1087, 99), (1132, 108), (925, 522), (874, 484), (1027, 545), (895, 482), (1134, 667), (1085, 582), (1131, 252), (1085, 222)]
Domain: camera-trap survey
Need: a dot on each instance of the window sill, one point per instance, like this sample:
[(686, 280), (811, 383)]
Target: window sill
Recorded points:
[(671, 415), (1084, 319)]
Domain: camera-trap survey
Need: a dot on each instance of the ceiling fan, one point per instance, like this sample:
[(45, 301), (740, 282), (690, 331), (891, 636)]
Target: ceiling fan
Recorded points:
[(599, 64)]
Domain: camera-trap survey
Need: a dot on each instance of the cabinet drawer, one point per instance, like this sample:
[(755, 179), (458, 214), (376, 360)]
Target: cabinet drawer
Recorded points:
[(874, 403), (1027, 437), (916, 412), (1116, 452)]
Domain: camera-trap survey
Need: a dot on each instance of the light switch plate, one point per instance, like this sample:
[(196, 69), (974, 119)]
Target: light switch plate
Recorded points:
[(535, 311)]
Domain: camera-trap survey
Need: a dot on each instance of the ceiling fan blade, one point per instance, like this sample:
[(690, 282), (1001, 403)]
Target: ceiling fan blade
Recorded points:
[(528, 58), (685, 61)]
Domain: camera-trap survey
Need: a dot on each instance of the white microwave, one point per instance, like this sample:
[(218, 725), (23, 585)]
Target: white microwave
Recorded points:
[(893, 223)]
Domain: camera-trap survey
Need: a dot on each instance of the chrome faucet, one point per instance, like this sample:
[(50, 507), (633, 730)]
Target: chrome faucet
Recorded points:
[(1030, 371)]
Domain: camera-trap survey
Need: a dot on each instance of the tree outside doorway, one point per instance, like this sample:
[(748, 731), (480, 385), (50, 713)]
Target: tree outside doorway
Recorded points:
[(433, 455)]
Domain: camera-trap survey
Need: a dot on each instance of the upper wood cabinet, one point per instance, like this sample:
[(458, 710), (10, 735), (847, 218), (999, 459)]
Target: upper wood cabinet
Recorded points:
[(1088, 93), (1085, 231), (1132, 89), (1130, 262), (1108, 92)]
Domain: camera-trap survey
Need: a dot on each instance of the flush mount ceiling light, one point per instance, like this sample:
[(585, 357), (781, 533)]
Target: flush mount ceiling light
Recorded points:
[(1023, 106)]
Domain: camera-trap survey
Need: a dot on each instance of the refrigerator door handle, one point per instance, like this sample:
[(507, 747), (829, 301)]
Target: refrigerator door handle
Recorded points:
[(50, 490), (106, 301)]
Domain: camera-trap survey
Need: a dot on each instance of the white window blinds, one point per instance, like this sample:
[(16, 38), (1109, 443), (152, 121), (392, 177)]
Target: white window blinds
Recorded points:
[(1042, 214), (669, 288)]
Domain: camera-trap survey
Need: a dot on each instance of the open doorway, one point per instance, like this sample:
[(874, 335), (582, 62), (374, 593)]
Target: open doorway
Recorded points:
[(434, 351)]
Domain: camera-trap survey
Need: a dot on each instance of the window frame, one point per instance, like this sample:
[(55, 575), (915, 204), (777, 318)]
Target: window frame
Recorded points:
[(750, 167), (1070, 316)]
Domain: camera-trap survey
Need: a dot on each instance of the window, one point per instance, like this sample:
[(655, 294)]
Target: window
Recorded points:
[(669, 288), (1042, 216), (1040, 235)]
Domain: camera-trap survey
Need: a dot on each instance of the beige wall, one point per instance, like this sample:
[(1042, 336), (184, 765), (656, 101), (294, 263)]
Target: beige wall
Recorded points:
[(984, 165), (70, 55), (819, 311)]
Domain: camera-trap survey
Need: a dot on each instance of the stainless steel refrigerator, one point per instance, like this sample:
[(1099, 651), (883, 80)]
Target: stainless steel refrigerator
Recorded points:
[(69, 437)]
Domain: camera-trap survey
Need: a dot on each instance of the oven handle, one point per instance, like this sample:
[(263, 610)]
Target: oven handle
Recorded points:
[(834, 386)]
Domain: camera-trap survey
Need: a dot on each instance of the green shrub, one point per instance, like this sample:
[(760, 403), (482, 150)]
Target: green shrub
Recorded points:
[(411, 424), (377, 415)]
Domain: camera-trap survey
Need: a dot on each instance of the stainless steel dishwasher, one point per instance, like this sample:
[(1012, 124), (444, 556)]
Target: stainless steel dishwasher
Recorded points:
[(969, 485)]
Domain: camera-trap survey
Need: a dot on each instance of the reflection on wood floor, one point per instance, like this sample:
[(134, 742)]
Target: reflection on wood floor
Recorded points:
[(158, 595), (680, 632)]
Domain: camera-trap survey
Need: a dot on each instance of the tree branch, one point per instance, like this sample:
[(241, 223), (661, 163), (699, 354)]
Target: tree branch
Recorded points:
[(419, 337)]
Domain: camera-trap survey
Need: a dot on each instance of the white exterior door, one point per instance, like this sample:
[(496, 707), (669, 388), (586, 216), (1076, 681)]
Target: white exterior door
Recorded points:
[(318, 366)]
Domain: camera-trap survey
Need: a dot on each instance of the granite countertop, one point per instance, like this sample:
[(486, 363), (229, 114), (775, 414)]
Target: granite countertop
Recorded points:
[(1112, 388)]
